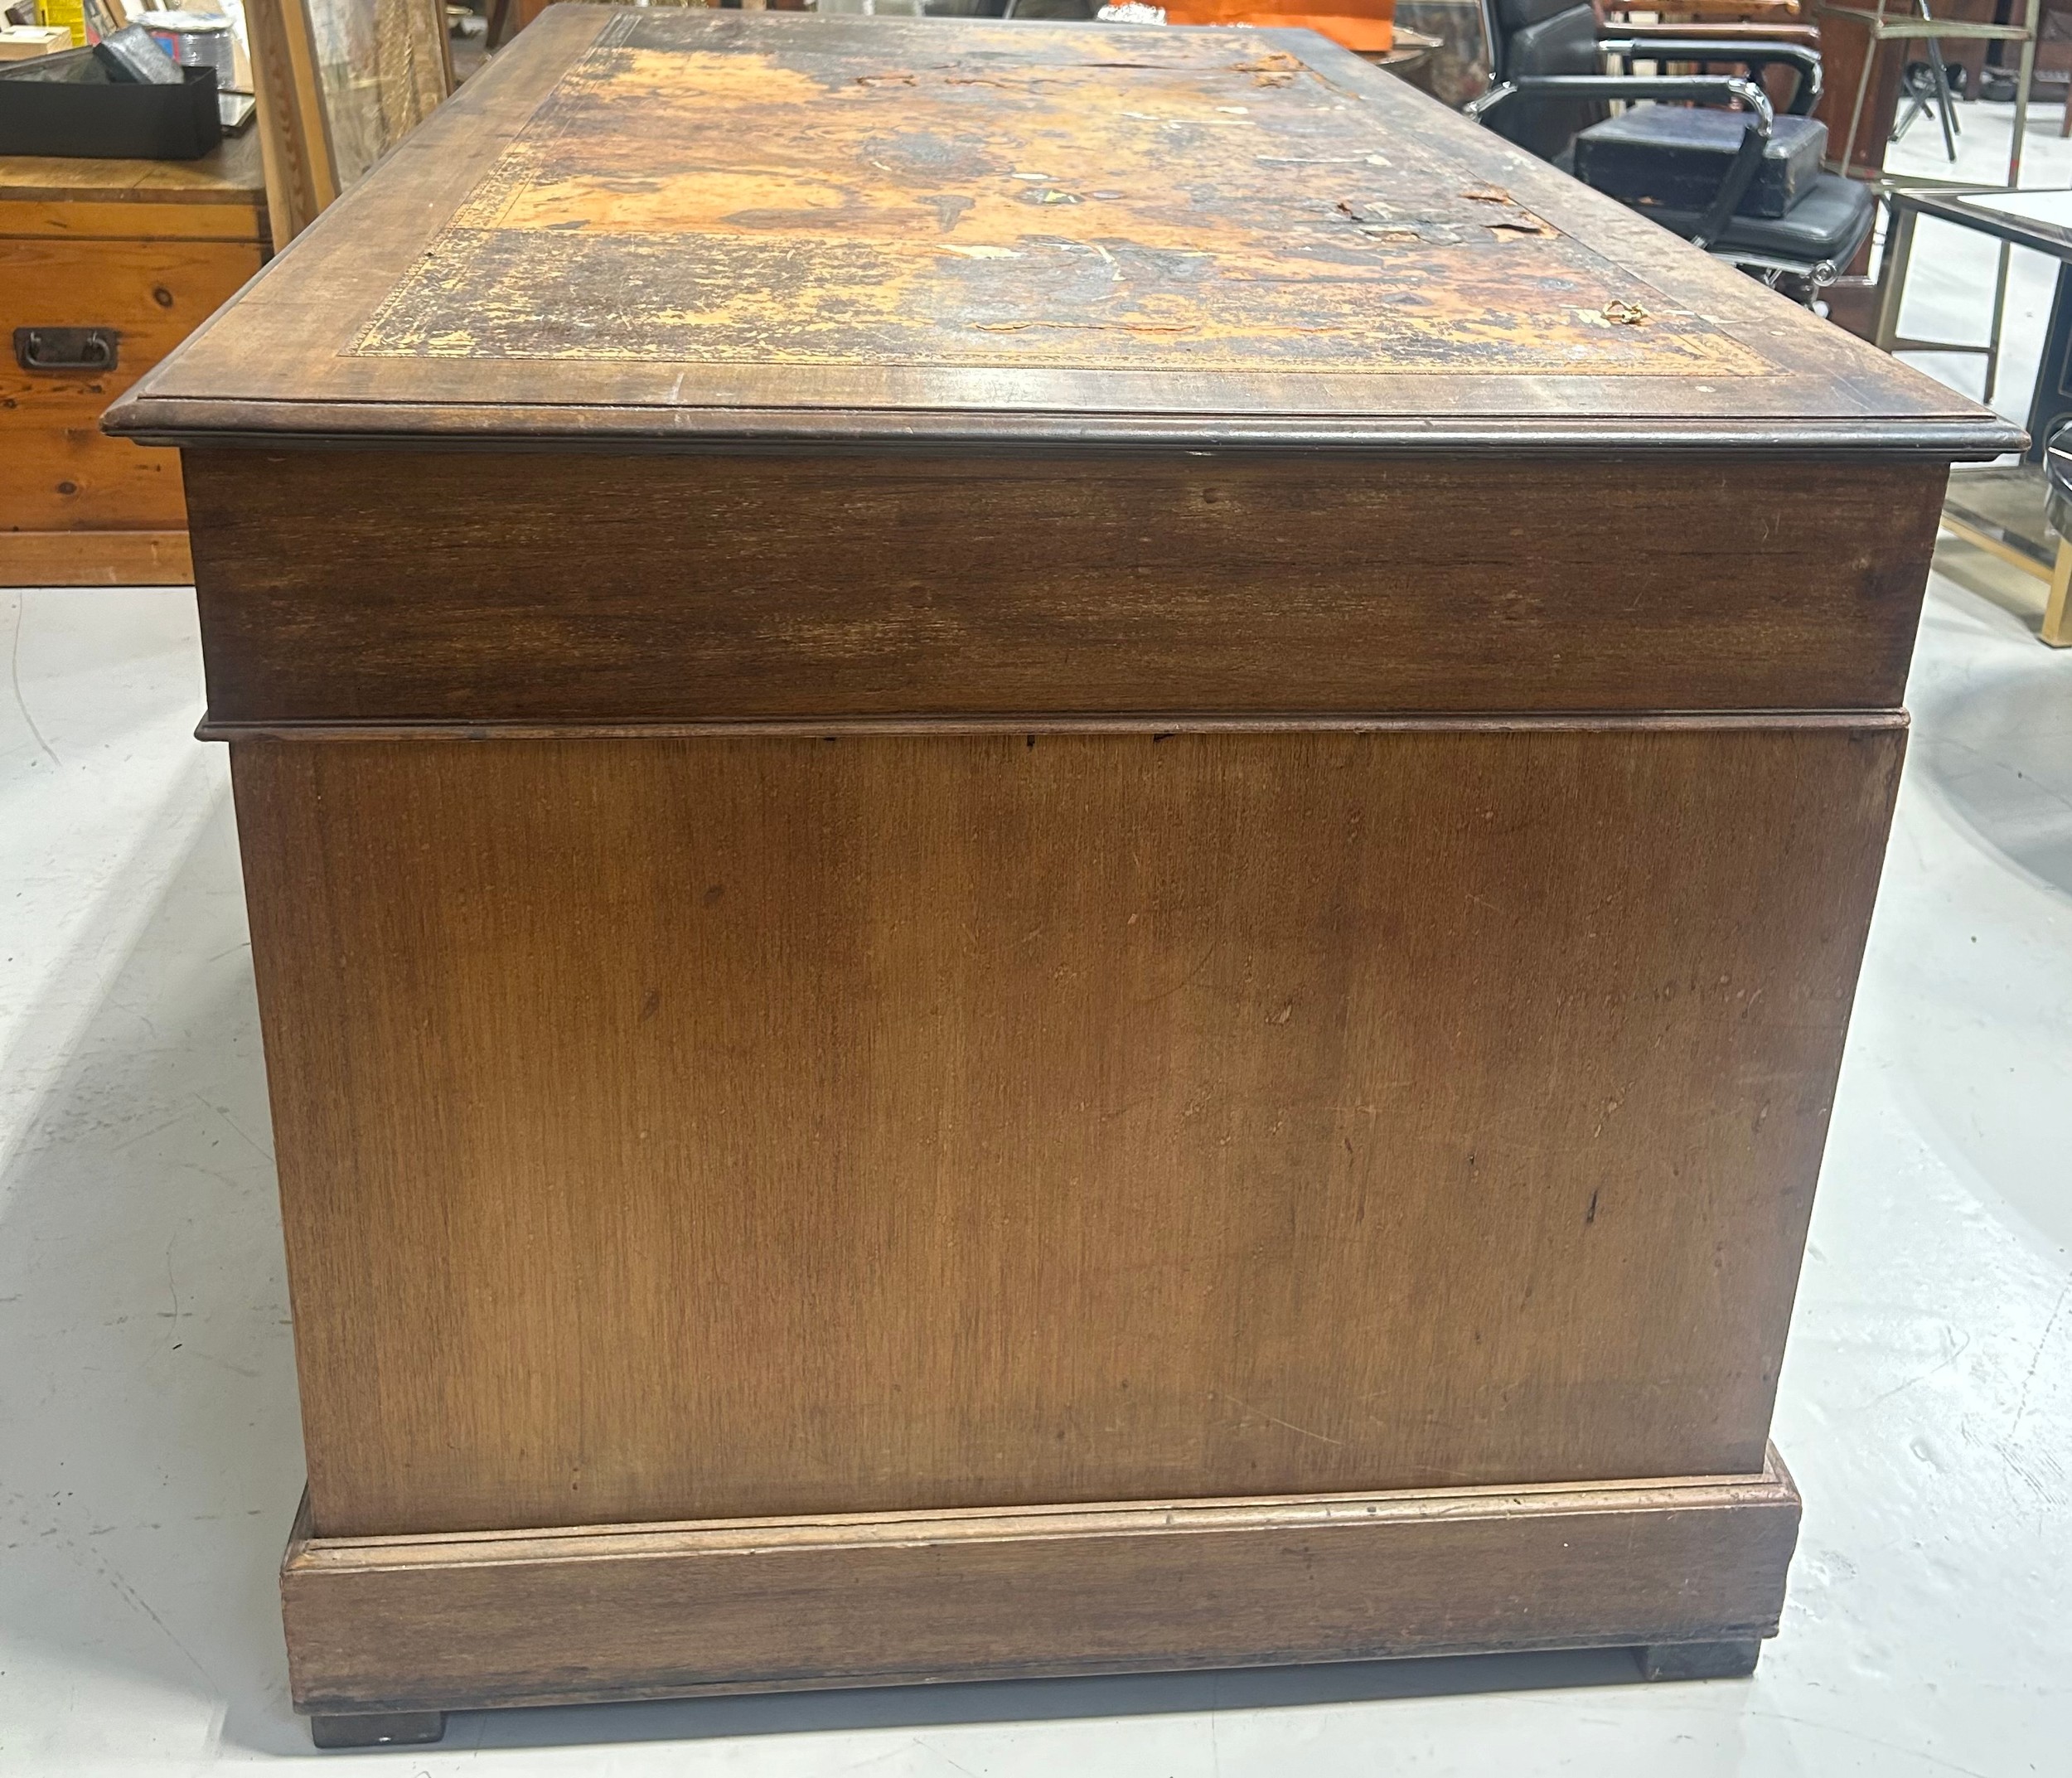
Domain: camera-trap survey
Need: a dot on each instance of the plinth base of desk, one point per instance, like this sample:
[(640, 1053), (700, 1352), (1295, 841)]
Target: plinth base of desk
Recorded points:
[(406, 1627)]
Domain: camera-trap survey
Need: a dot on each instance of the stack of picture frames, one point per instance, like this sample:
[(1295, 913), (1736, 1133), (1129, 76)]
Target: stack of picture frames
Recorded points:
[(339, 83)]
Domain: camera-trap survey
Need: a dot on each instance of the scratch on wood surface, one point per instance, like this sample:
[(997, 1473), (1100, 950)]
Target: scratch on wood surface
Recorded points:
[(690, 193), (1321, 1438)]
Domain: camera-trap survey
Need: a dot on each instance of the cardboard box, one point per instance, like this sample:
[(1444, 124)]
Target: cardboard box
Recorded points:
[(19, 42)]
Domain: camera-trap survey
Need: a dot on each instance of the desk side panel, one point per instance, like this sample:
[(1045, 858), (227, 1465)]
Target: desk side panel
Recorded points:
[(375, 586), (694, 1128)]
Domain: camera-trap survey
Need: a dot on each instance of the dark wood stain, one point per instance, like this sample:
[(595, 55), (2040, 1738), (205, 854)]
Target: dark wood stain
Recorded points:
[(667, 1610), (396, 588)]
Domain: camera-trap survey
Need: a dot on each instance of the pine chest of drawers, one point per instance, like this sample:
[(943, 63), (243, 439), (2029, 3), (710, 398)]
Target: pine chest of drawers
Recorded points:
[(109, 265)]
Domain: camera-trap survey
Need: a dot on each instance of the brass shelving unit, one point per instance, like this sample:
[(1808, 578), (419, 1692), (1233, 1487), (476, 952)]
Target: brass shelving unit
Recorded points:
[(1884, 26)]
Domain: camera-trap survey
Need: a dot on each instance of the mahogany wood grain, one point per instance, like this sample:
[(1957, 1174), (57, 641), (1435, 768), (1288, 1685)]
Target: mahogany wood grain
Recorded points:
[(401, 587), (702, 1128), (398, 1623)]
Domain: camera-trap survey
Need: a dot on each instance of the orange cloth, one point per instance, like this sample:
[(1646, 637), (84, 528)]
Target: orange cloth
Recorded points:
[(1364, 25)]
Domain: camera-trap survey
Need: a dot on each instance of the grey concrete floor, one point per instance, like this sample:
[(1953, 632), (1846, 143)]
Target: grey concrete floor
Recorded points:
[(148, 1447), (149, 1458)]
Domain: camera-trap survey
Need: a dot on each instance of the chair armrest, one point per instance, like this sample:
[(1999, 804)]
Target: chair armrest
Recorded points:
[(1720, 89), (1757, 54), (1725, 12), (1749, 30)]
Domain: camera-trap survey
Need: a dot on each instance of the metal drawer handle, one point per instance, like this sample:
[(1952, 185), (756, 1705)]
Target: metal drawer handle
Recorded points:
[(67, 348)]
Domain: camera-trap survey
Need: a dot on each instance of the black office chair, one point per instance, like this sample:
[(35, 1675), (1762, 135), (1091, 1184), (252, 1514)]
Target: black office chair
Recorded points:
[(1747, 187)]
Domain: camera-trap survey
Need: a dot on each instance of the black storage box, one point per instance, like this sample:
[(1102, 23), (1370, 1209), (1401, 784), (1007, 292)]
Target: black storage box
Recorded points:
[(1674, 157), (107, 120)]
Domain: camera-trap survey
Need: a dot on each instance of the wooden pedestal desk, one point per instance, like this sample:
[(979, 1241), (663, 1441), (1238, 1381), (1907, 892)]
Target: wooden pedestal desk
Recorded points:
[(1056, 838)]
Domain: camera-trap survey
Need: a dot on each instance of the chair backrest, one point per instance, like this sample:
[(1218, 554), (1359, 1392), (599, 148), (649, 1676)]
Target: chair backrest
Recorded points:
[(1544, 36)]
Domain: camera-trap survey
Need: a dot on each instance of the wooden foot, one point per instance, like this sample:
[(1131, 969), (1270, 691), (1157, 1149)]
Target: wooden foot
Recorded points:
[(2057, 610), (1699, 1660), (396, 1728)]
